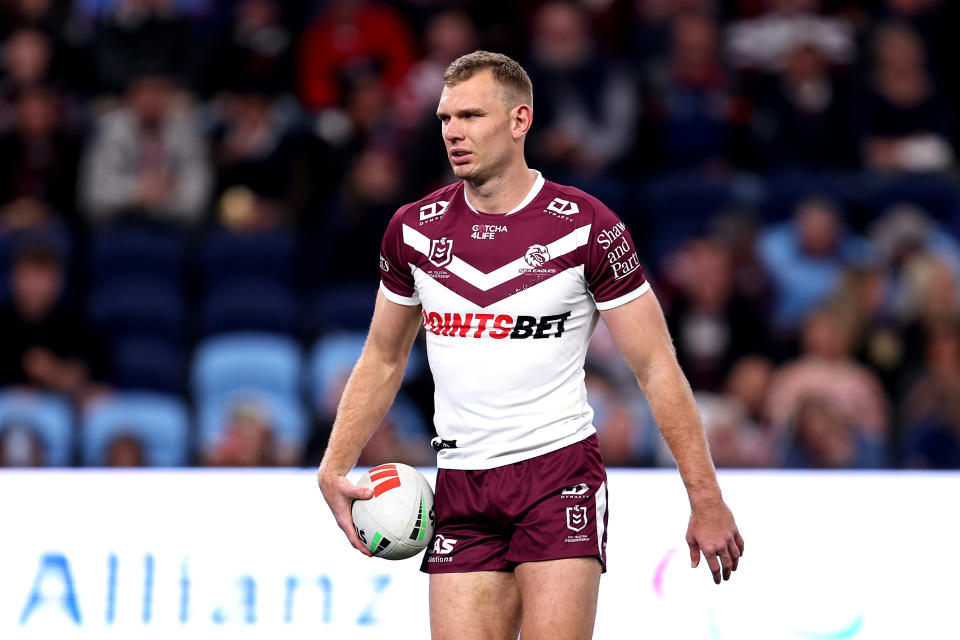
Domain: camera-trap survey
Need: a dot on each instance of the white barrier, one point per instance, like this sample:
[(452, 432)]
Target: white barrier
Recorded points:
[(213, 555)]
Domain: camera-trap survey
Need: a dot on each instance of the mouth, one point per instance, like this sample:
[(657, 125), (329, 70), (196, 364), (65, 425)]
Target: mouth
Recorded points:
[(459, 156)]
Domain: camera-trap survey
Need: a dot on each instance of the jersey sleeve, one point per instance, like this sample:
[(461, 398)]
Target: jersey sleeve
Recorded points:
[(396, 280), (611, 264)]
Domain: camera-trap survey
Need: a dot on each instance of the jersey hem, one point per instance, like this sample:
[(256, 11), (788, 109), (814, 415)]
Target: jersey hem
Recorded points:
[(397, 298), (477, 465), (624, 299)]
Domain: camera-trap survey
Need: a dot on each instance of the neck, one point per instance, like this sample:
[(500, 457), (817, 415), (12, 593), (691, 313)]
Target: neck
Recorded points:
[(503, 192)]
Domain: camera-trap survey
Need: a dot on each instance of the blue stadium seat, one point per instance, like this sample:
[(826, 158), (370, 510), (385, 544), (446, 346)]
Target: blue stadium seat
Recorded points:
[(137, 304), (143, 361), (259, 361), (49, 414), (334, 355), (344, 308), (286, 414), (784, 191), (267, 255), (251, 305), (680, 206), (118, 252), (160, 421), (937, 195)]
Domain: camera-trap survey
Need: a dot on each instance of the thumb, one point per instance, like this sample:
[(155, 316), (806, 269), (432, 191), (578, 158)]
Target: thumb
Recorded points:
[(694, 553), (350, 490)]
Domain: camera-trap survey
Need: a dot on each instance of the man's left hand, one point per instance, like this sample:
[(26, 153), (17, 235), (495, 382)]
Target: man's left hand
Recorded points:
[(713, 531)]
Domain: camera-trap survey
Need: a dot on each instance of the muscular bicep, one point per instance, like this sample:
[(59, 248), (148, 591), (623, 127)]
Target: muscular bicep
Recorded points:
[(392, 331), (640, 331)]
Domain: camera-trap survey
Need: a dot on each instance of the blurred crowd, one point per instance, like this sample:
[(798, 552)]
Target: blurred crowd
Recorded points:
[(192, 196)]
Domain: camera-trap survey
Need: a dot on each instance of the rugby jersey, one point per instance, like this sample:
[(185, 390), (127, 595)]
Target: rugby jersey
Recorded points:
[(509, 302)]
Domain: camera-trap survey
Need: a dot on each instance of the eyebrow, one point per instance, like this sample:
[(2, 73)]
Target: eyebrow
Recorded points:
[(474, 111)]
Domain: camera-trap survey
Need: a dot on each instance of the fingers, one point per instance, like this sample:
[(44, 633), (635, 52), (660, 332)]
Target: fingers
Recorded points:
[(352, 491), (734, 552), (738, 540), (694, 552), (714, 566), (346, 524), (340, 494)]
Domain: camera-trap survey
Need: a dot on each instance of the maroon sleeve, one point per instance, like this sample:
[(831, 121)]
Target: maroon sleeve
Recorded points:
[(612, 266), (396, 280)]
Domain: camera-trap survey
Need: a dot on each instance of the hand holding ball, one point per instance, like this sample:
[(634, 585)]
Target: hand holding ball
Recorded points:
[(397, 522)]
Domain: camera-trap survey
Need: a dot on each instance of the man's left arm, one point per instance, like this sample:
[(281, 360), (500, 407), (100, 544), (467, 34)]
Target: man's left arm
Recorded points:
[(641, 333)]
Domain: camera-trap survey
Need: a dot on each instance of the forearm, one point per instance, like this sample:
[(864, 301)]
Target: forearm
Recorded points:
[(675, 412), (366, 399)]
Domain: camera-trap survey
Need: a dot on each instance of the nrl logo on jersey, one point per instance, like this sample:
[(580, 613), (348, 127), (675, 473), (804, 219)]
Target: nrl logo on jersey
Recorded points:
[(563, 207), (433, 210), (441, 252)]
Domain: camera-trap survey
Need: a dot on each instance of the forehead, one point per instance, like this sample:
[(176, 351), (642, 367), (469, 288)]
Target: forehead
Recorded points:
[(480, 90)]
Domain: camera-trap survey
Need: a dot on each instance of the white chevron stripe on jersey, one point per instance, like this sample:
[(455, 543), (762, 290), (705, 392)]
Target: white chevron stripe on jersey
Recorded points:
[(486, 281)]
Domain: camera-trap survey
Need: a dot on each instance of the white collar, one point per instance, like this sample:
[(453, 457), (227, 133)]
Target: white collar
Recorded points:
[(534, 190)]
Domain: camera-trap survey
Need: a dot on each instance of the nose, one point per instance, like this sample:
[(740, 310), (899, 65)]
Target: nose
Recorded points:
[(452, 131)]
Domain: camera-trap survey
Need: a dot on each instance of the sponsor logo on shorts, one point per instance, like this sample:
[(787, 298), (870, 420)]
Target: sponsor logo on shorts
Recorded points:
[(442, 549), (576, 490), (564, 207), (577, 518)]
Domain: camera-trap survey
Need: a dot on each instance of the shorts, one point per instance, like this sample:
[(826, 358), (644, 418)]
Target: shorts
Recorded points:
[(545, 508)]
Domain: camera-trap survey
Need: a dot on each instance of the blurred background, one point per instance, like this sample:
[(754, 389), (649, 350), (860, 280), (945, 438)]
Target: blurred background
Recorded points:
[(192, 196)]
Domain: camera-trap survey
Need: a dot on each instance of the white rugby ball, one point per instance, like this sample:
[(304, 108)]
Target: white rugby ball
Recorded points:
[(397, 522)]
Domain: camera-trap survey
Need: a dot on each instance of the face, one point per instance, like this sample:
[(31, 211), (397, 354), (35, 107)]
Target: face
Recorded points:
[(482, 135)]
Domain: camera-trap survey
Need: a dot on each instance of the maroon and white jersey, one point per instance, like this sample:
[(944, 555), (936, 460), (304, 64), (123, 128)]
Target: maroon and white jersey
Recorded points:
[(509, 303)]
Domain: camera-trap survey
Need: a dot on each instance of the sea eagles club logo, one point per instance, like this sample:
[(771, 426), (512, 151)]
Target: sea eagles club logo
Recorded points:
[(441, 252), (536, 255)]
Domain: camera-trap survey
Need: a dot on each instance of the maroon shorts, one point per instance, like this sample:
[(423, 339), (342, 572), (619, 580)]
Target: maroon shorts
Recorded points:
[(545, 508)]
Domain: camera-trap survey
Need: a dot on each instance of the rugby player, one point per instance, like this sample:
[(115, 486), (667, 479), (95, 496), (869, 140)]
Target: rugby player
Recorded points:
[(508, 272)]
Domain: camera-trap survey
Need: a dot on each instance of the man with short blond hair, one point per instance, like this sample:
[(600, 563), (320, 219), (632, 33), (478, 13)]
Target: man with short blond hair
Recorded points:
[(507, 272)]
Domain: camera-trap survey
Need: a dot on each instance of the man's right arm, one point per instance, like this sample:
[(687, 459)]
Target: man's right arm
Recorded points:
[(368, 395)]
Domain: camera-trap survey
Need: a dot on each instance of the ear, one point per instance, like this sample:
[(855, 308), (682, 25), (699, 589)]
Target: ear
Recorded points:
[(521, 117)]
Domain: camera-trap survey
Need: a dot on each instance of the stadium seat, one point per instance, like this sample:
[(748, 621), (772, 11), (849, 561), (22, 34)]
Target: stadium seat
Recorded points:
[(49, 414), (143, 361), (334, 355), (160, 421), (251, 305), (259, 361), (286, 414), (344, 308), (937, 195), (137, 304), (267, 255), (132, 251)]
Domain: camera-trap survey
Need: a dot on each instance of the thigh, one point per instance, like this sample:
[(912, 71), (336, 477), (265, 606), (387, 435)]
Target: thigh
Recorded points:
[(482, 605), (559, 598)]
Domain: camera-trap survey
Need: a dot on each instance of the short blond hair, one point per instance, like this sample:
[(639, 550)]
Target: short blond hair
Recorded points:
[(506, 71)]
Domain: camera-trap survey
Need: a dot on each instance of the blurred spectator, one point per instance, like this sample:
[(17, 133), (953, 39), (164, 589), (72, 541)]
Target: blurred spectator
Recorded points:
[(931, 409), (20, 446), (254, 49), (764, 42), (347, 38), (147, 159), (626, 438), (823, 436), (40, 160), (125, 450), (46, 344), (806, 258), (135, 35), (903, 122), (448, 35), (748, 384), (255, 145), (692, 108), (246, 440), (826, 370), (586, 107), (25, 60), (802, 118), (711, 323)]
